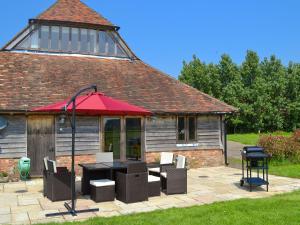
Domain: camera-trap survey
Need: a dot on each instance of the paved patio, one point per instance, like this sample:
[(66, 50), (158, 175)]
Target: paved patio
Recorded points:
[(23, 202)]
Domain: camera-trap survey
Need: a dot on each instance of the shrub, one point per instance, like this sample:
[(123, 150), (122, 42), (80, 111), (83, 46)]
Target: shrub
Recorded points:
[(281, 147), (3, 174)]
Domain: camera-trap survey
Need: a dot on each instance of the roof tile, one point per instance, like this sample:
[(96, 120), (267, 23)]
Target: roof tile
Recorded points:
[(33, 80), (73, 11)]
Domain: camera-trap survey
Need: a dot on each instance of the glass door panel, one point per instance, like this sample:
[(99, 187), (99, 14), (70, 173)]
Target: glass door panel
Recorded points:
[(112, 134), (133, 138)]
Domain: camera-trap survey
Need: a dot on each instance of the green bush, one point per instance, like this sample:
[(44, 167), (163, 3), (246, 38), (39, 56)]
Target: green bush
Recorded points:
[(3, 174), (282, 147)]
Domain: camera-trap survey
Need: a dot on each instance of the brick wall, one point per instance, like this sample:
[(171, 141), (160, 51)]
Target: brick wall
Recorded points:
[(66, 161), (8, 165), (195, 158)]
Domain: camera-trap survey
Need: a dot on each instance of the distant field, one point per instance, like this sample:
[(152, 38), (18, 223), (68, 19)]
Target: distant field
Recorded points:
[(252, 138)]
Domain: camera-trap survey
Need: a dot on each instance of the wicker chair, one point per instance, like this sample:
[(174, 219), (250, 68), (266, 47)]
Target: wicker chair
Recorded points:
[(166, 159), (174, 180), (132, 186), (58, 184)]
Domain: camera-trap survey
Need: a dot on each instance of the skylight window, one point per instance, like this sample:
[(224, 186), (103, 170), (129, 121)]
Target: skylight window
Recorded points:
[(84, 40), (65, 39), (44, 37), (54, 40), (74, 40)]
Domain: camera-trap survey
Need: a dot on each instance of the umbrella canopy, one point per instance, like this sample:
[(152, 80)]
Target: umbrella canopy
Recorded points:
[(96, 103)]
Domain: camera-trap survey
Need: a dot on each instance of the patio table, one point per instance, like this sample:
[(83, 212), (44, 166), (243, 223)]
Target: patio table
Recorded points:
[(104, 170)]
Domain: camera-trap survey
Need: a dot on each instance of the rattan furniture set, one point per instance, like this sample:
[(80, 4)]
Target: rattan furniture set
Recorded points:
[(129, 182)]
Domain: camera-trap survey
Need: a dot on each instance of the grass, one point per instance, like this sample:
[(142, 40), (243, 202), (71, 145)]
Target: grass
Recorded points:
[(280, 210), (251, 138), (285, 169), (282, 168)]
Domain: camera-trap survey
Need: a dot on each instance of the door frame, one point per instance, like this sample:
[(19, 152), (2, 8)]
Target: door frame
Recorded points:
[(123, 134)]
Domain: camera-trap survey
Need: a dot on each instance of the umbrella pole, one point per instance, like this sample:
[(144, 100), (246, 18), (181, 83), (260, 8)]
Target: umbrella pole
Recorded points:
[(72, 208), (73, 179)]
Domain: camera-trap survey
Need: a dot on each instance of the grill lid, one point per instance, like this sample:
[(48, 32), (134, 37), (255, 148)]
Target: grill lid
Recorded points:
[(250, 149)]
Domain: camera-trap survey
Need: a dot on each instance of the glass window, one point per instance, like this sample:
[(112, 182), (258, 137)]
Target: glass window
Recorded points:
[(35, 40), (120, 51), (83, 40), (74, 39), (112, 134), (133, 138), (187, 129), (181, 128), (26, 43), (102, 42), (31, 41), (110, 45), (93, 41), (44, 37), (192, 128), (54, 38), (65, 36)]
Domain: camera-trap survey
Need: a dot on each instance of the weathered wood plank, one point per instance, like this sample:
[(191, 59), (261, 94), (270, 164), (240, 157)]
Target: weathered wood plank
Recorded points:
[(13, 140), (161, 134), (87, 136)]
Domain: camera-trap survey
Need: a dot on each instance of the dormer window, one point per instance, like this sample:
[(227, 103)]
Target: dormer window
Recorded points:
[(62, 39)]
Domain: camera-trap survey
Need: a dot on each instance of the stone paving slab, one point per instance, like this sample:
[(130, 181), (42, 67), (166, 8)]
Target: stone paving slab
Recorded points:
[(23, 202)]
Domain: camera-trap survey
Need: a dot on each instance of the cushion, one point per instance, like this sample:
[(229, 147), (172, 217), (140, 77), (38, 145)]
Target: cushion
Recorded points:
[(166, 158), (155, 170), (104, 157), (52, 166), (152, 178), (102, 183), (180, 162), (45, 162), (164, 174)]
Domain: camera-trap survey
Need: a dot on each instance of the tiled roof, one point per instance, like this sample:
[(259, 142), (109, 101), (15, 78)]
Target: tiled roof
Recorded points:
[(30, 80), (73, 11)]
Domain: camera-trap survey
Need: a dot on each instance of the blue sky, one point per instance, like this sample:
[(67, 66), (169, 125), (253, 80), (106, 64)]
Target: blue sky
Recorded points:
[(165, 32)]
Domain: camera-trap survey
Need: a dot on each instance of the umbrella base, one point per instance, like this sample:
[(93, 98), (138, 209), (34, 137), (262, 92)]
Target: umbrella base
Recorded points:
[(71, 211)]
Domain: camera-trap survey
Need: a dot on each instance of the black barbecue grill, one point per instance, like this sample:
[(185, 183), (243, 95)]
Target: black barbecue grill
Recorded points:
[(255, 159)]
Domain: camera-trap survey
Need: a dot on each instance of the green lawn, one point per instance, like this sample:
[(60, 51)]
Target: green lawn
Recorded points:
[(279, 210), (251, 138), (285, 169)]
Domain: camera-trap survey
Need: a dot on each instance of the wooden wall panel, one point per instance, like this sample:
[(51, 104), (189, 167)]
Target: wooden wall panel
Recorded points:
[(87, 136), (161, 134), (13, 139)]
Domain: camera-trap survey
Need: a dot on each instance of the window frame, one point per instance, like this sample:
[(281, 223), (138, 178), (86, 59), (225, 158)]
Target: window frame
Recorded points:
[(186, 130), (102, 144), (109, 34)]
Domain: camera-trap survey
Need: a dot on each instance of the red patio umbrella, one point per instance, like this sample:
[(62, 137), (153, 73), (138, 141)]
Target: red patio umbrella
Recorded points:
[(96, 103)]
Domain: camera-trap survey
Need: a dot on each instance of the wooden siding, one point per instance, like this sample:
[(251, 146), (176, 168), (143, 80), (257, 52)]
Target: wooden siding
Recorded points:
[(161, 134), (13, 139), (87, 136), (209, 132)]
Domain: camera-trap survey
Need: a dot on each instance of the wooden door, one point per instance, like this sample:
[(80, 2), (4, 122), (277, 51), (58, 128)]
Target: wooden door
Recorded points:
[(40, 141)]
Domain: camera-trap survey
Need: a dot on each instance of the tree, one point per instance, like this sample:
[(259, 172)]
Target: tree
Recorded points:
[(250, 68), (266, 92)]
